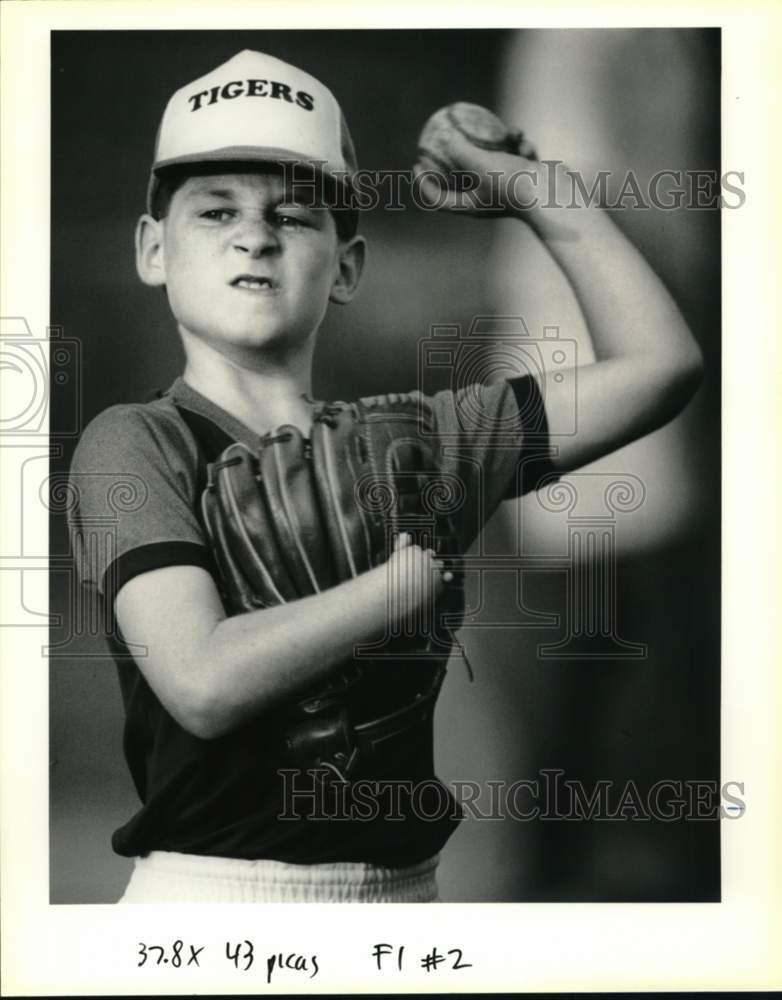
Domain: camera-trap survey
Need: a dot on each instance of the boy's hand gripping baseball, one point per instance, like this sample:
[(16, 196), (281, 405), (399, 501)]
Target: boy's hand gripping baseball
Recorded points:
[(469, 161), (415, 577)]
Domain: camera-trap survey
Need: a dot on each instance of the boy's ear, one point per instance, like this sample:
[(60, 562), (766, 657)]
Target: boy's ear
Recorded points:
[(150, 260), (350, 264)]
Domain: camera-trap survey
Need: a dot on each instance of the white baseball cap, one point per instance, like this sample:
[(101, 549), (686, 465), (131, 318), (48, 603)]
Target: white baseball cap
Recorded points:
[(253, 108)]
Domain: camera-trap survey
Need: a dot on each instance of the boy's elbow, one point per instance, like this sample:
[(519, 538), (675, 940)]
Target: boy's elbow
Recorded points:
[(689, 374), (203, 712), (205, 724), (693, 368), (681, 381)]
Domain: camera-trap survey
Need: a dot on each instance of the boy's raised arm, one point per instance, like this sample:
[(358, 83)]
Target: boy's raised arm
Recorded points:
[(647, 364)]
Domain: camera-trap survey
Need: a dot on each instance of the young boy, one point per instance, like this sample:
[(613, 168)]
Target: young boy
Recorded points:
[(249, 263)]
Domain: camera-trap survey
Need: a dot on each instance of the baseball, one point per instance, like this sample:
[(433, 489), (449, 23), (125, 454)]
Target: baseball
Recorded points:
[(482, 127)]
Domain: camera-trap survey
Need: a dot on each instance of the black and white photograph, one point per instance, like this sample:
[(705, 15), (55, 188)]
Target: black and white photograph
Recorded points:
[(380, 423), (522, 486)]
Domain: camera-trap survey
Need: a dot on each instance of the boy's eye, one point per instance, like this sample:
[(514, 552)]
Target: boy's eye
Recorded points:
[(217, 214), (290, 221)]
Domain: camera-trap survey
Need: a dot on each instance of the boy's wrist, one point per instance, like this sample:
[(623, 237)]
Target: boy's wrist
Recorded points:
[(547, 198)]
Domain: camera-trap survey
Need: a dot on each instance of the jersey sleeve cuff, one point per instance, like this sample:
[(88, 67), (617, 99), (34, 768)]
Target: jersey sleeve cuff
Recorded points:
[(157, 555), (535, 463)]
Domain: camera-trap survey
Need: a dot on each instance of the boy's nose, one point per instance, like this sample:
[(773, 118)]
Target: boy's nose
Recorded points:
[(255, 237)]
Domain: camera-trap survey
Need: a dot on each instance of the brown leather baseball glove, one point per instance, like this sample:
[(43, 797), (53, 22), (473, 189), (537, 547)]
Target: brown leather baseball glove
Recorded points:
[(300, 515)]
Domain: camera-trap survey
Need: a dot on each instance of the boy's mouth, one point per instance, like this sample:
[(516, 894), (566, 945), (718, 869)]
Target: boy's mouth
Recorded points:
[(253, 283)]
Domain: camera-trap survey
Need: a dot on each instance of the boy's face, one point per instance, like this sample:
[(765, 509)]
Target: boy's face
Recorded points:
[(247, 265)]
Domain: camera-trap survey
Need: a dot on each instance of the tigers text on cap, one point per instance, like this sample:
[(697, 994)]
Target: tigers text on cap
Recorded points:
[(253, 108)]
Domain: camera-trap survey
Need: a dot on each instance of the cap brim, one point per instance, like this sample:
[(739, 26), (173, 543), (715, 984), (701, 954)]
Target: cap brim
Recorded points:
[(238, 154), (248, 154)]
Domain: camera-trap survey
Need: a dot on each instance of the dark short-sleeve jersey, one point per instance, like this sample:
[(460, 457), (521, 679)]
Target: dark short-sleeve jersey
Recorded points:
[(137, 473)]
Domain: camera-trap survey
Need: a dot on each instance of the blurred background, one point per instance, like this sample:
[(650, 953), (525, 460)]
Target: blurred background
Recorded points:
[(639, 702)]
